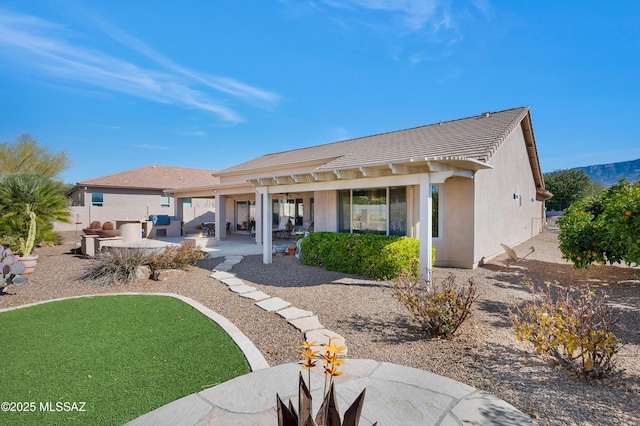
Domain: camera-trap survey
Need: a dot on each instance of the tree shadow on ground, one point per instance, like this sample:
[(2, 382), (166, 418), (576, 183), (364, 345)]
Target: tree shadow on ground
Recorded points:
[(287, 271), (396, 330), (498, 312), (539, 384)]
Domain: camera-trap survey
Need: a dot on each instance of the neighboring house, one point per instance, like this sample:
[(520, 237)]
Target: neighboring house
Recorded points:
[(480, 176), (138, 193)]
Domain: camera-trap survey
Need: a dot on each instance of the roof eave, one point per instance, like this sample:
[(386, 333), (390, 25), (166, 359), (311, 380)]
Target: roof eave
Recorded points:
[(460, 165)]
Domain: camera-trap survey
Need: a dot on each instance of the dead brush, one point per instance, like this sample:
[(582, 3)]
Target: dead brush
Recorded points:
[(440, 306)]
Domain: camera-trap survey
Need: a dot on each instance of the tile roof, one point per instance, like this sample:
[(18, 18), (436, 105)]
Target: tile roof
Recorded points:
[(155, 177), (475, 138)]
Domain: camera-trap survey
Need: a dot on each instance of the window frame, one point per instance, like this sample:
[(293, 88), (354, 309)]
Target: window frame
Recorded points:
[(97, 199)]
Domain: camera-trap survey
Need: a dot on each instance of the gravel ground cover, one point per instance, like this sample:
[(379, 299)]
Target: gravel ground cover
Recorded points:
[(485, 354)]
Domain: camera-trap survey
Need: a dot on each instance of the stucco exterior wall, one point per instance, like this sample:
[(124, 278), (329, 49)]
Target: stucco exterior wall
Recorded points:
[(131, 204), (506, 210), (455, 244)]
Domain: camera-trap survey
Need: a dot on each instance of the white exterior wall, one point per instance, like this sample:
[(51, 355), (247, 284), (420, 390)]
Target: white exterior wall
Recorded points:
[(498, 216)]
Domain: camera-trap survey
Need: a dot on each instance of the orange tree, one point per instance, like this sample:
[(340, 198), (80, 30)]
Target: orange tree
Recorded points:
[(602, 229)]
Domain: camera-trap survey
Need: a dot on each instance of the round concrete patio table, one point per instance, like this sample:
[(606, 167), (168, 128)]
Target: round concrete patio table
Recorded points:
[(396, 395)]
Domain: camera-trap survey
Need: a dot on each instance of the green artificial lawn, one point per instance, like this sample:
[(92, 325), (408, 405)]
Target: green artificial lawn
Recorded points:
[(122, 356)]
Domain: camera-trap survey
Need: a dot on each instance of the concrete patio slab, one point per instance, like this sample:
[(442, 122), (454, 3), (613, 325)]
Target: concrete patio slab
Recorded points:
[(306, 324), (233, 259), (220, 275), (425, 401), (294, 313), (321, 337), (232, 281), (256, 295), (225, 267), (273, 304), (242, 288)]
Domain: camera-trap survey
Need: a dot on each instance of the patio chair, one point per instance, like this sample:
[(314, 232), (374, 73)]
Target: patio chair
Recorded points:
[(512, 256), (282, 226), (210, 227)]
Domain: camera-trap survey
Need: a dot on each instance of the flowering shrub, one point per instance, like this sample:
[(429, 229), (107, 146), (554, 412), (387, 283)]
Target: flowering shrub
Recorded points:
[(571, 325), (441, 306)]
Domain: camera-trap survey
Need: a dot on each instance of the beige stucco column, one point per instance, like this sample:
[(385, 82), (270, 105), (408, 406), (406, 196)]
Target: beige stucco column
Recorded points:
[(221, 216), (259, 225), (267, 211), (425, 225)]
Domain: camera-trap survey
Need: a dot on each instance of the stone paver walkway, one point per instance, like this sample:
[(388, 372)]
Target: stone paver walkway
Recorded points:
[(395, 394), (305, 321)]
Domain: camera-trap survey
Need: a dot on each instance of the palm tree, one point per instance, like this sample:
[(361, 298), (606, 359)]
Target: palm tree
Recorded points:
[(29, 192)]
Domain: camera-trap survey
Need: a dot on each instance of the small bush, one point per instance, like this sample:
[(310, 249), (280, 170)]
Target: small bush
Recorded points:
[(116, 265), (380, 257), (441, 306), (176, 257), (571, 325)]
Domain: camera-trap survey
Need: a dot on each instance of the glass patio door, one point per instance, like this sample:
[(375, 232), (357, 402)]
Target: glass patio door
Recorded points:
[(245, 215)]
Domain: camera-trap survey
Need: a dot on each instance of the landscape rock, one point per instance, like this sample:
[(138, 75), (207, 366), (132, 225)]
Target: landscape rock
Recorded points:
[(168, 274)]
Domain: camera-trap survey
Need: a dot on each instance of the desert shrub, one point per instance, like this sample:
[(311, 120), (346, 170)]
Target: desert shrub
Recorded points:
[(176, 257), (572, 325), (440, 306), (116, 265), (376, 256)]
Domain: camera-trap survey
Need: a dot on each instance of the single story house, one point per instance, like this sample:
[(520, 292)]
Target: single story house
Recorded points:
[(139, 193), (465, 186)]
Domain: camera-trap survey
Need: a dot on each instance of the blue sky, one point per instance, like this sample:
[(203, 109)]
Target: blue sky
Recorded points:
[(209, 84)]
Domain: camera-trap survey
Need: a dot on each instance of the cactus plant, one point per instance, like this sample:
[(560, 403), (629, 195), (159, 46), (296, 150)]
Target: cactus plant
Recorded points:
[(108, 226), (27, 245), (11, 269), (95, 225)]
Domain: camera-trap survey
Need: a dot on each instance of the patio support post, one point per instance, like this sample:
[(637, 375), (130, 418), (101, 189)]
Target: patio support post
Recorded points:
[(221, 216), (259, 209), (426, 225), (267, 212)]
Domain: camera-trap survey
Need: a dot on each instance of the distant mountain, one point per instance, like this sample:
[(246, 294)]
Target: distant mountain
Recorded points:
[(610, 174)]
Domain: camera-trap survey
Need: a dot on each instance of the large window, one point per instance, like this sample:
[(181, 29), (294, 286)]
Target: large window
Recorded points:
[(292, 207), (97, 199), (377, 211), (186, 203), (164, 201)]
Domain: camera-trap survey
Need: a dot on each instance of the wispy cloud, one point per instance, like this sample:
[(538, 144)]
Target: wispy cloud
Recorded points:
[(43, 46), (414, 13), (151, 147), (192, 133)]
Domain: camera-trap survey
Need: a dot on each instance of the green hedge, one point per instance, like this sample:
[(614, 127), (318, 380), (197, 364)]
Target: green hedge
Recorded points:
[(380, 257)]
